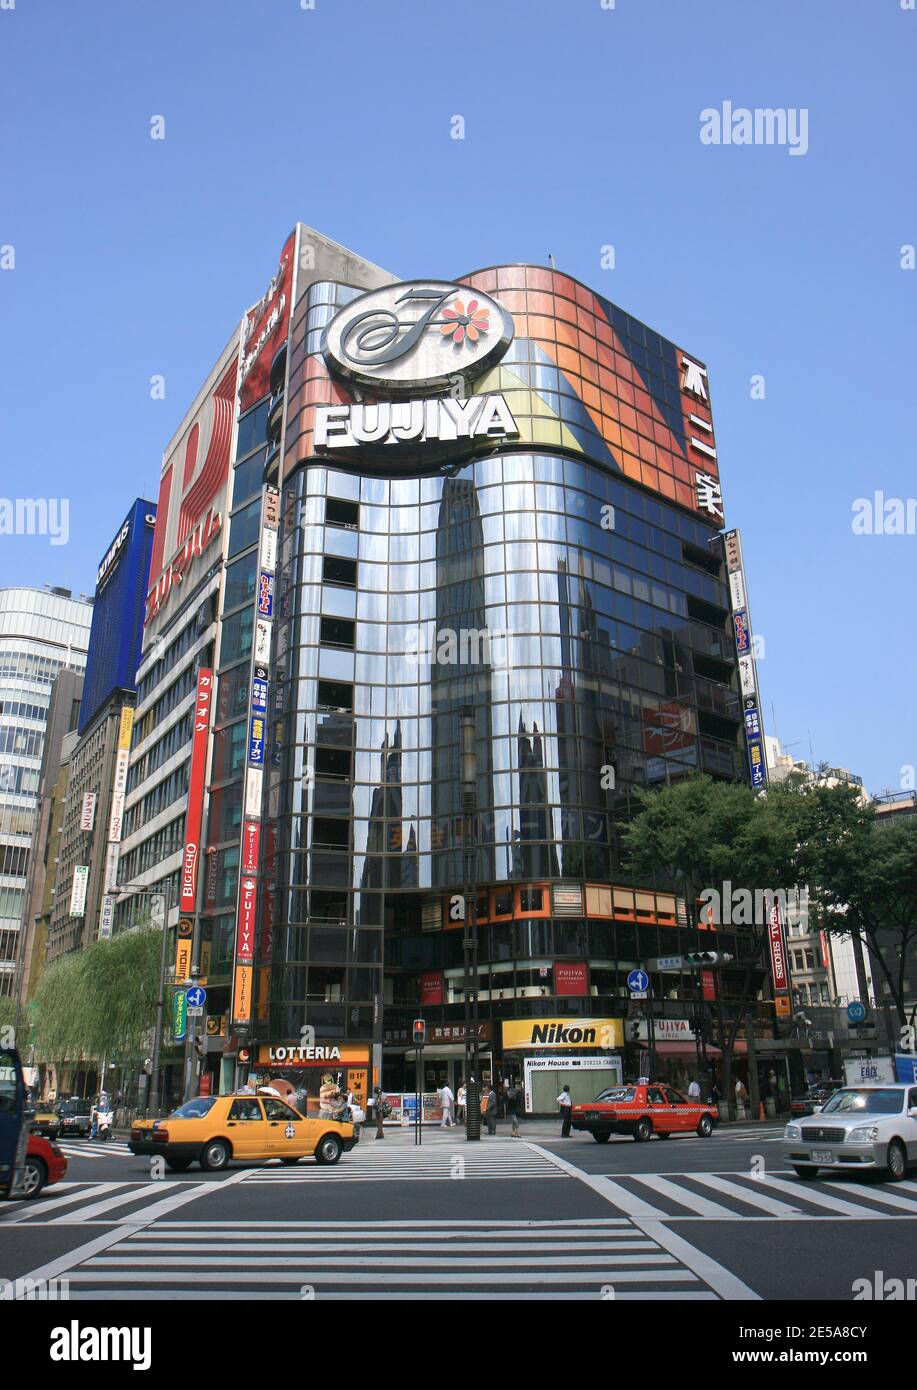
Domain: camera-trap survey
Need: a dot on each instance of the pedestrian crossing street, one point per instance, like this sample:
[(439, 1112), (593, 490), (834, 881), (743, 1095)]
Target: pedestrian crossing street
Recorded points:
[(296, 1260), (431, 1162)]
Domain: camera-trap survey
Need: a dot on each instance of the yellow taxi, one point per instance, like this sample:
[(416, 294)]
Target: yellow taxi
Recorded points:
[(43, 1119), (213, 1130)]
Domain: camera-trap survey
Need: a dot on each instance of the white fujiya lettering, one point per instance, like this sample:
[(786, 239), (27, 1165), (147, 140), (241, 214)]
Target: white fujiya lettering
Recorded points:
[(495, 418), (371, 422), (330, 421), (407, 420), (462, 414)]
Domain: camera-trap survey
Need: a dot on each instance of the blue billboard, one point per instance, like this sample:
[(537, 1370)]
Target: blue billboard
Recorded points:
[(117, 617)]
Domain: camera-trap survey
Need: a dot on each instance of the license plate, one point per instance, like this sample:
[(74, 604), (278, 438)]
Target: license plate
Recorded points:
[(822, 1156)]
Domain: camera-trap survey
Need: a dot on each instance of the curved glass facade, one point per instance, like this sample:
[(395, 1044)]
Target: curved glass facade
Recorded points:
[(573, 600)]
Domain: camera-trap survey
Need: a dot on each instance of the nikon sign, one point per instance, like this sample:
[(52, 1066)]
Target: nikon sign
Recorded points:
[(563, 1033)]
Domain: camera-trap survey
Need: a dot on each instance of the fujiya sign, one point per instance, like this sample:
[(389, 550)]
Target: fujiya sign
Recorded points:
[(441, 419), (418, 334)]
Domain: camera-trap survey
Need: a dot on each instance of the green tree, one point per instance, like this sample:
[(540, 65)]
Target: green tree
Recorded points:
[(863, 880), (702, 835), (98, 1004)]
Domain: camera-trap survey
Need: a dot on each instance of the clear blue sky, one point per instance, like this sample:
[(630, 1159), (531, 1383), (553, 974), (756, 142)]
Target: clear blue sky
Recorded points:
[(136, 257)]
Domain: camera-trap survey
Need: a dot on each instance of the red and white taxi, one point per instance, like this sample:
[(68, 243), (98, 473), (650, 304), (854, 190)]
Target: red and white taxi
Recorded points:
[(643, 1111)]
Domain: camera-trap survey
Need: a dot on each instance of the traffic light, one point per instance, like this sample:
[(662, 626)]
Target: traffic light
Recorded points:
[(703, 958), (633, 1030), (420, 1032)]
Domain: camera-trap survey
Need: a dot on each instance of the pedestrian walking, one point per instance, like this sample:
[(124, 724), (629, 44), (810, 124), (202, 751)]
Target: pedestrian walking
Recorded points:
[(491, 1110), (447, 1100), (512, 1108), (379, 1112), (694, 1090), (460, 1104), (565, 1101)]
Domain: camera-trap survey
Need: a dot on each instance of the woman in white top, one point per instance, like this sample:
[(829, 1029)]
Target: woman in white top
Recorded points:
[(460, 1104)]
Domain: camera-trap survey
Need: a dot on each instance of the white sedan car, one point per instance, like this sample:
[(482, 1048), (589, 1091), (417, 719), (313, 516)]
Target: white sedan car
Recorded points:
[(861, 1127)]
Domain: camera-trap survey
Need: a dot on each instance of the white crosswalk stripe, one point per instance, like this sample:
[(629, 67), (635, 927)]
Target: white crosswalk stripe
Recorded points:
[(742, 1197), (433, 1163), (580, 1259), (113, 1149)]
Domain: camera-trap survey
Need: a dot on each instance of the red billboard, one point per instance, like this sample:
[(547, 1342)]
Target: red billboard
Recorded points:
[(266, 327), (431, 988), (778, 951), (192, 851), (570, 977)]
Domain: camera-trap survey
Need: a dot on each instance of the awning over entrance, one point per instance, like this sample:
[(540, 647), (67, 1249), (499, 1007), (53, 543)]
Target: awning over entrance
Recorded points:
[(688, 1049)]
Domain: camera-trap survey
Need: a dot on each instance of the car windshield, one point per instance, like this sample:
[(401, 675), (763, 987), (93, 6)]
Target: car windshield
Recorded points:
[(75, 1107), (617, 1093), (194, 1109), (865, 1102)]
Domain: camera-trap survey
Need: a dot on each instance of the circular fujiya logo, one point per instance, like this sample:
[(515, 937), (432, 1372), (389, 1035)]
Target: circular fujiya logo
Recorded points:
[(417, 335)]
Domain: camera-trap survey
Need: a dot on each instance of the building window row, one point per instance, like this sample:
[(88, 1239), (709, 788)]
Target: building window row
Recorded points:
[(163, 749), (161, 796)]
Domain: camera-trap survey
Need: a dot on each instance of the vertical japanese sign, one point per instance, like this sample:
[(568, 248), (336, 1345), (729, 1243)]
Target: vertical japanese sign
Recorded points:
[(745, 652), (88, 811), (116, 816), (202, 704), (250, 859), (779, 972), (78, 891)]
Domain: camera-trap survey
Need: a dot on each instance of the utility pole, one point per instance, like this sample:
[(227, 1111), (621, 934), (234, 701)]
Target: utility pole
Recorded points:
[(469, 779)]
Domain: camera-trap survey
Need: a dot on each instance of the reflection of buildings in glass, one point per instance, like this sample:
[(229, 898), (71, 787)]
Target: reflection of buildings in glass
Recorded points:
[(535, 855), (586, 731), (466, 679), (386, 839)]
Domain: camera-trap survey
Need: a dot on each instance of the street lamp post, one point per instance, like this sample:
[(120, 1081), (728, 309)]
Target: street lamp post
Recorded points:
[(469, 778), (165, 892)]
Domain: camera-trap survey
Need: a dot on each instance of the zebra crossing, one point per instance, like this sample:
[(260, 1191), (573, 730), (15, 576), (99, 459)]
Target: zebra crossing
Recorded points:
[(432, 1163), (113, 1148), (731, 1196), (582, 1259)]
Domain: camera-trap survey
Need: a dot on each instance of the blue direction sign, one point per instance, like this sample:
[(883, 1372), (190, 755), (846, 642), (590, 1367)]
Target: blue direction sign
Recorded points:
[(638, 981), (196, 997), (856, 1011)]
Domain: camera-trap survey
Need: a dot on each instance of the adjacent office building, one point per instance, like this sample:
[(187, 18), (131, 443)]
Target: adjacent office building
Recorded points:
[(42, 631), (91, 831)]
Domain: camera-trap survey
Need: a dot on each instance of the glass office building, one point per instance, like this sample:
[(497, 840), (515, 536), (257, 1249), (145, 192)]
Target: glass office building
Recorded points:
[(568, 583)]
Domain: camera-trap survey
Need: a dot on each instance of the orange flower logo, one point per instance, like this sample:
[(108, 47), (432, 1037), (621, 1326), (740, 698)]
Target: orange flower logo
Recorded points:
[(462, 323)]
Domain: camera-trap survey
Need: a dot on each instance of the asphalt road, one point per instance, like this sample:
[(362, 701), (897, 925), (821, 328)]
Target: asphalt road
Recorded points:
[(539, 1217)]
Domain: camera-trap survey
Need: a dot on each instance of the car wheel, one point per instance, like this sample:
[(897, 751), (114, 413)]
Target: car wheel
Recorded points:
[(328, 1149), (178, 1165), (34, 1177), (215, 1156), (601, 1136), (705, 1127), (895, 1161), (807, 1174), (643, 1130)]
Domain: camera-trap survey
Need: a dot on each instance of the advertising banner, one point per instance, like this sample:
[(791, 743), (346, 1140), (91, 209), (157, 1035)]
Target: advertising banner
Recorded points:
[(179, 1015), (251, 843), (106, 916), (78, 891), (196, 790), (431, 988), (183, 939), (570, 977), (265, 329), (777, 950), (245, 930), (88, 811), (563, 1032)]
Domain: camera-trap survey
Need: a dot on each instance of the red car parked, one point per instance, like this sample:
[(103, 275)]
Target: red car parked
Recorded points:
[(44, 1164), (644, 1111)]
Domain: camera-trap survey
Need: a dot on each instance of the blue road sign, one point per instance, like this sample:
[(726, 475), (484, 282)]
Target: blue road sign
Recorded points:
[(856, 1011), (197, 997), (638, 980)]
